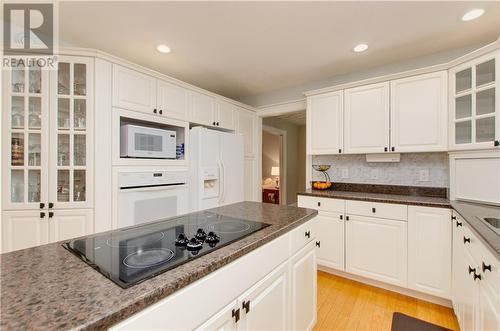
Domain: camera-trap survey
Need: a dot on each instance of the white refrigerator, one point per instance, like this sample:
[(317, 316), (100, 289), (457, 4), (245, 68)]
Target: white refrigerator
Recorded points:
[(216, 170)]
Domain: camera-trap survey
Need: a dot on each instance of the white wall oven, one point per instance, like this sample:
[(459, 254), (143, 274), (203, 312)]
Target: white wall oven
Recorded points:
[(145, 142)]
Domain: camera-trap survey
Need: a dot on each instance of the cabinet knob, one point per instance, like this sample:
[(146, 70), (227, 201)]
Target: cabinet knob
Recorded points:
[(466, 240), (453, 217), (42, 205), (385, 149), (486, 267), (308, 234), (318, 243), (341, 217), (51, 205), (246, 305), (472, 270), (477, 276), (42, 215), (217, 124), (161, 111), (393, 149), (236, 315), (51, 214), (155, 111), (213, 123), (496, 143), (459, 224), (374, 210), (347, 218), (319, 204), (340, 150)]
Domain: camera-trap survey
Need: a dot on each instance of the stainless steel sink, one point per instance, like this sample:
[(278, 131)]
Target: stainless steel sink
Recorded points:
[(492, 222)]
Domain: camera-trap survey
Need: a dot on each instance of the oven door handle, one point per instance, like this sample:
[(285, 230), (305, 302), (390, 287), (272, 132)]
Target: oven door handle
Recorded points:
[(152, 188)]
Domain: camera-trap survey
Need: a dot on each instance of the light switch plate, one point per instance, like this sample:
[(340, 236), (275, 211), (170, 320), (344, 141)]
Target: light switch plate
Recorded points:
[(424, 175)]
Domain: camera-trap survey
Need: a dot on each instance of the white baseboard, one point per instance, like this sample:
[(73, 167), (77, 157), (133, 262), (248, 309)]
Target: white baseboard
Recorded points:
[(389, 287)]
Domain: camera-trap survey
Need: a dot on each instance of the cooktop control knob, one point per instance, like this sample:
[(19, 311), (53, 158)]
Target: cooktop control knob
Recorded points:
[(194, 245), (212, 238), (181, 240), (200, 234)]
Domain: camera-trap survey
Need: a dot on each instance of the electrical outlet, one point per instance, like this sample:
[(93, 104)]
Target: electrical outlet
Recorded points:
[(424, 175), (345, 173), (374, 174)]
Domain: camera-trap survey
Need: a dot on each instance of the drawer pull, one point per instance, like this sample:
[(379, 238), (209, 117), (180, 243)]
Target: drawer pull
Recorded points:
[(308, 234), (236, 315), (319, 204), (472, 270), (42, 205), (341, 217), (466, 240), (51, 204), (155, 111), (459, 224), (246, 306), (347, 218), (42, 215), (453, 217), (374, 210), (486, 267), (477, 276), (318, 243)]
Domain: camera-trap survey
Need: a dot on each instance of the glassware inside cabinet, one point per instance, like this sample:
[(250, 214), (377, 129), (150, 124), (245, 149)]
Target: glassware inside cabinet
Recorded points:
[(63, 150), (463, 106), (485, 102), (463, 80), (35, 80), (34, 184), (17, 112), (63, 79), (485, 129), (463, 132), (17, 185), (35, 113), (63, 114), (79, 151), (18, 80), (79, 114), (17, 149), (63, 185), (80, 79), (485, 72), (34, 149), (79, 185)]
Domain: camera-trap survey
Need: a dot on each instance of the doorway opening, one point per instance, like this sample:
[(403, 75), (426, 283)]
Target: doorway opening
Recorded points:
[(273, 165)]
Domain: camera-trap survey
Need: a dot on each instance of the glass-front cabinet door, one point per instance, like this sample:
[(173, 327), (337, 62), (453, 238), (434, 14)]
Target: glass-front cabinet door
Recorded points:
[(474, 111), (71, 134), (25, 141)]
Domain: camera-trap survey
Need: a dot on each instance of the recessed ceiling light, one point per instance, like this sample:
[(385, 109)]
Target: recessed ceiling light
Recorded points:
[(163, 48), (360, 48), (472, 14)]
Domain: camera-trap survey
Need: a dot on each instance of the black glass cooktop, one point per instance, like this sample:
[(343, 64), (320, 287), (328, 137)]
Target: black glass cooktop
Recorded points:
[(131, 255)]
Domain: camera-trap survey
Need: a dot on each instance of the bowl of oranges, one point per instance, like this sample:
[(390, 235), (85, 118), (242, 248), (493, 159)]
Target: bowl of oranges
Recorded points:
[(321, 185)]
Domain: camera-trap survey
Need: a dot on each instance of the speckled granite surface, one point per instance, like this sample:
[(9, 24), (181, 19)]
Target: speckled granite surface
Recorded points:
[(470, 212), (48, 288), (381, 197)]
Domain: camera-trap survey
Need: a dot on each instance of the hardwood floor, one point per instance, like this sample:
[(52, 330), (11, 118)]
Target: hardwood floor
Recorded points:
[(345, 304)]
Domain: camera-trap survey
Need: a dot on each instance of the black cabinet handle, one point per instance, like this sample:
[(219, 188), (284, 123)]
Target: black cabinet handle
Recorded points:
[(217, 124), (459, 224), (236, 315), (393, 149), (161, 111), (374, 210), (51, 205), (477, 276), (318, 243), (486, 267), (42, 215), (453, 217), (496, 143), (341, 217), (42, 205), (347, 218), (319, 204), (385, 149), (472, 270), (340, 150), (246, 305), (213, 123), (466, 240), (51, 214), (308, 234), (154, 110)]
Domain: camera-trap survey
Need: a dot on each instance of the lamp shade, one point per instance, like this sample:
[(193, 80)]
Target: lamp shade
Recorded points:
[(275, 171)]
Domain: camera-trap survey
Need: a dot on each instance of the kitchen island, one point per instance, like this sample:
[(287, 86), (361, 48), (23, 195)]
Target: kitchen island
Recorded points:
[(49, 288)]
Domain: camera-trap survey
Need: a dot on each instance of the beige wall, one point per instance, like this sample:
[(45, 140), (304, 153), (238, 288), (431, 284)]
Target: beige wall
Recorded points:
[(270, 153), (301, 158)]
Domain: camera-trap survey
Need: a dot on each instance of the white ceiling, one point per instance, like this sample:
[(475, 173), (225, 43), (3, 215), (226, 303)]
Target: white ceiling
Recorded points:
[(239, 49), (297, 118)]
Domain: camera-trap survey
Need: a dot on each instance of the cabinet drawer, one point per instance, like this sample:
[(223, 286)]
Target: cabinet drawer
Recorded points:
[(376, 209), (302, 235), (323, 204)]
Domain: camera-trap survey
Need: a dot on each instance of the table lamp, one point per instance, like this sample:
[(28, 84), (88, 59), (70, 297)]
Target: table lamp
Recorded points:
[(275, 171)]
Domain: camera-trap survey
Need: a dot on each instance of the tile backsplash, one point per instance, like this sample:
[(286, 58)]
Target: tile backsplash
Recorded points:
[(414, 169)]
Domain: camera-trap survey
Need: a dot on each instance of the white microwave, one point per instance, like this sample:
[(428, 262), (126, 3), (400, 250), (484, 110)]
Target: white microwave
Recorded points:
[(144, 142)]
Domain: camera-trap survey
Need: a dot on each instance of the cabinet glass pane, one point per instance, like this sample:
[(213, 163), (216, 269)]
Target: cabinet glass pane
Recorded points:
[(485, 102), (17, 149), (79, 185), (63, 149), (463, 106), (63, 185), (34, 149), (35, 80), (485, 72), (18, 80), (79, 114), (485, 129), (17, 113), (463, 132), (17, 186), (80, 79), (79, 142), (34, 184), (63, 114), (463, 80), (35, 113), (63, 81)]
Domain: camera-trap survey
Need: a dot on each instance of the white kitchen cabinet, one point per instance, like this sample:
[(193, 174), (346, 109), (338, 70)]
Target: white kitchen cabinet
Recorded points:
[(419, 113), (324, 123), (201, 109), (429, 250), (68, 224), (246, 125), (172, 101), (329, 232), (224, 320), (489, 316), (225, 113), (377, 248), (366, 119), (23, 229), (133, 90), (474, 104), (304, 292)]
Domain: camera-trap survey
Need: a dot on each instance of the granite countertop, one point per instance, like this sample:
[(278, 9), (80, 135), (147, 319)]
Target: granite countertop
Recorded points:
[(470, 212), (416, 200), (47, 287)]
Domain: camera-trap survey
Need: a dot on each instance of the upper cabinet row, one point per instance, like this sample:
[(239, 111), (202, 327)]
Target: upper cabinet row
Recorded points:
[(410, 114), (140, 92)]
